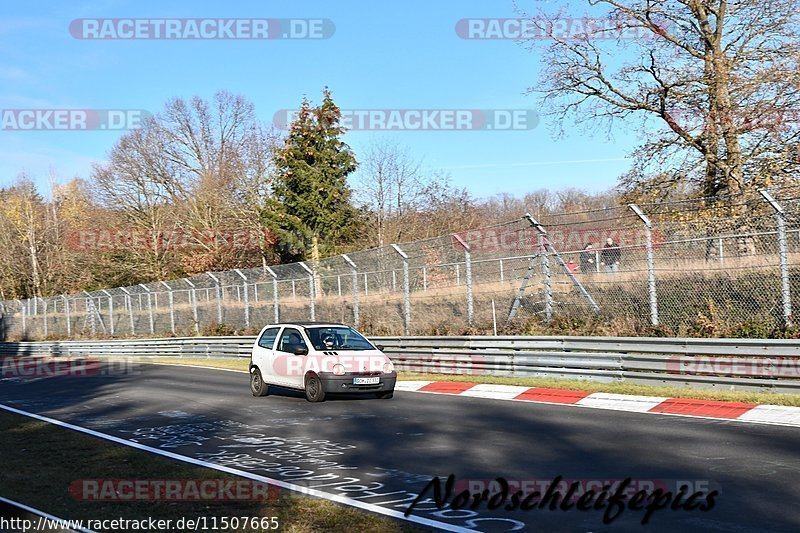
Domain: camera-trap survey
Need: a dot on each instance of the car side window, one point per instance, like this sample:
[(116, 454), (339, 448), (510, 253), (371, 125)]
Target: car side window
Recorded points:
[(290, 339), (267, 339)]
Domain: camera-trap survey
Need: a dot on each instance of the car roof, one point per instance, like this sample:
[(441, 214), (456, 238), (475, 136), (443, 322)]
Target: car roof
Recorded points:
[(306, 324)]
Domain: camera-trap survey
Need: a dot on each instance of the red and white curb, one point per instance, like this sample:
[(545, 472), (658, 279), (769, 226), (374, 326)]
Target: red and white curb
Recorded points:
[(742, 412)]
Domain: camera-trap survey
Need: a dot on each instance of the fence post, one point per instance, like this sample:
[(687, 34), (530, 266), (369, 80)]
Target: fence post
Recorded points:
[(311, 289), (66, 312), (24, 319), (406, 289), (149, 309), (193, 301), (44, 316), (780, 218), (546, 281), (549, 248), (355, 288), (275, 304), (246, 299), (651, 271), (468, 274), (130, 308), (110, 311), (502, 274), (171, 301), (219, 296)]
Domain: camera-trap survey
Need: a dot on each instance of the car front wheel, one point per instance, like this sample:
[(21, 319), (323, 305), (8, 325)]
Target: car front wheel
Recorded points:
[(314, 391), (257, 385)]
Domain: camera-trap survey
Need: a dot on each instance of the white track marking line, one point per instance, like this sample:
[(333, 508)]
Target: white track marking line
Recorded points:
[(773, 414), (621, 402), (410, 386), (494, 391), (278, 483)]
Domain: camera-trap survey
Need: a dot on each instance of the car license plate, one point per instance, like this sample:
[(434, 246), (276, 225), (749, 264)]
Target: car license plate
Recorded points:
[(366, 381)]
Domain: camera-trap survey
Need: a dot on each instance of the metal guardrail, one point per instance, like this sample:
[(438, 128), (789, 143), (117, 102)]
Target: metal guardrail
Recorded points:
[(726, 364)]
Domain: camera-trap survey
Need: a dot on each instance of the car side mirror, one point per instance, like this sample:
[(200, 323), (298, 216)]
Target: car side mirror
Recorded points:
[(299, 349), (380, 347)]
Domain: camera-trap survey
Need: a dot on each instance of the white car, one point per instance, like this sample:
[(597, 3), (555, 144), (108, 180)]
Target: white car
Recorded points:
[(319, 358)]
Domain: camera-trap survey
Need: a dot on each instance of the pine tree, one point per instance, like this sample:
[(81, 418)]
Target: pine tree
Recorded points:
[(310, 209)]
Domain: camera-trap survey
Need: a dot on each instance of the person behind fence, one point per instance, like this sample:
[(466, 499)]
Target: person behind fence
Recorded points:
[(587, 259), (610, 255), (572, 265)]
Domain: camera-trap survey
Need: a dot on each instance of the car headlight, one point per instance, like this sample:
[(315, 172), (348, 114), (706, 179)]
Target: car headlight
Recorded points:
[(338, 370), (388, 368)]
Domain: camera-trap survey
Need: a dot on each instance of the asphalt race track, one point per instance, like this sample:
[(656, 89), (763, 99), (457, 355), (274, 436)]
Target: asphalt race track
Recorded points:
[(386, 451)]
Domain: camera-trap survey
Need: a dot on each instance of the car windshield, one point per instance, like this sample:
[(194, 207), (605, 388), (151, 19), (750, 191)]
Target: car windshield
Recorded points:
[(337, 338)]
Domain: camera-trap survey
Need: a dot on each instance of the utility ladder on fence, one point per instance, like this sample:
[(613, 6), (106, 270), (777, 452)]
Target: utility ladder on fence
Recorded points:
[(542, 258)]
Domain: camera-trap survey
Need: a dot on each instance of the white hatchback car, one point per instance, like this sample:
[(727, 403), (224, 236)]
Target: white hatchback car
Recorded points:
[(319, 358)]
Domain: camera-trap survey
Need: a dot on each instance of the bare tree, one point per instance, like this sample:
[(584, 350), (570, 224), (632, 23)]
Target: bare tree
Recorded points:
[(710, 83), (201, 168), (390, 184)]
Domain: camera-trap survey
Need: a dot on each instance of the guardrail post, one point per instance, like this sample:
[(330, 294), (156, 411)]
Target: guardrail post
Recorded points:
[(275, 304), (149, 309), (468, 274), (311, 289), (355, 288), (780, 218), (246, 299), (219, 296), (193, 301), (129, 305), (406, 289), (110, 311), (546, 281), (651, 272), (66, 312)]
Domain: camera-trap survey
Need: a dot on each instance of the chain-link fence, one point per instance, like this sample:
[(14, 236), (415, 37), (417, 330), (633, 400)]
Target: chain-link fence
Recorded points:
[(696, 261)]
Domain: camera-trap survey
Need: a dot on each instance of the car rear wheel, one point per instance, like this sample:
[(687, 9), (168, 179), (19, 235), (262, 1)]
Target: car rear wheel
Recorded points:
[(385, 395), (314, 391), (257, 385)]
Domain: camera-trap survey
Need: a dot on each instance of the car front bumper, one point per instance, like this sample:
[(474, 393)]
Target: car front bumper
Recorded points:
[(332, 383)]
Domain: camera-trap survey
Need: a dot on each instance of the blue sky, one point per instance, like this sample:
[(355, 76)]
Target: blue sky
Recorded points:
[(383, 55)]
